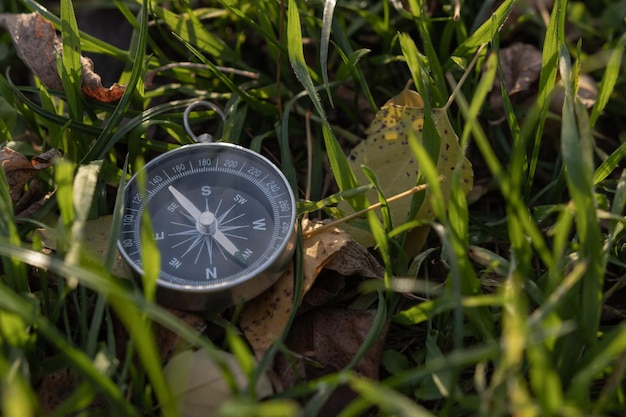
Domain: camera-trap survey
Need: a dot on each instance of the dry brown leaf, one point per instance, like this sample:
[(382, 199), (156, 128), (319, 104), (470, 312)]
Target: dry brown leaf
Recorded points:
[(264, 318), (169, 342), (92, 85), (354, 259), (521, 66), (587, 93), (327, 339), (38, 45), (55, 388), (19, 170)]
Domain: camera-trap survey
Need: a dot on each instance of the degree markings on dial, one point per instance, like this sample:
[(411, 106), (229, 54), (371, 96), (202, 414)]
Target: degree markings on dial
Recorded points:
[(276, 196)]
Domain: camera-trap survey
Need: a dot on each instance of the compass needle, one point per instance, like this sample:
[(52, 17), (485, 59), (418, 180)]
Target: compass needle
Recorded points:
[(185, 202)]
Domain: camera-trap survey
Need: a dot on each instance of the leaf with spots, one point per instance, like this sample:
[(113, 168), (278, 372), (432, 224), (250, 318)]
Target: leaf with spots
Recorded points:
[(386, 152), (264, 318)]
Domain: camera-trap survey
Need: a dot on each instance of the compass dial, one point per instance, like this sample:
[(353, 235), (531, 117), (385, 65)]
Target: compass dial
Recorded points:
[(223, 219)]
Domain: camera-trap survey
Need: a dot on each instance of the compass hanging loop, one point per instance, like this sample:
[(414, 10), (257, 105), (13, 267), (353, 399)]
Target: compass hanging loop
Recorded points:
[(204, 137)]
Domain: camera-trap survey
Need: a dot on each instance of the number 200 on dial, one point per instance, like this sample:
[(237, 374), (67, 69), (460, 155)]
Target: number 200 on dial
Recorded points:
[(223, 220)]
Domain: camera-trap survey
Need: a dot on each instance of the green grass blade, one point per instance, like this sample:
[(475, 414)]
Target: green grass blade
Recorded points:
[(610, 164), (472, 126), (577, 151), (84, 190), (14, 272), (439, 93), (254, 102), (9, 301), (346, 50), (554, 39), (341, 168), (389, 401), (89, 42), (189, 28), (483, 34), (288, 169), (64, 177), (150, 254), (18, 398), (419, 71), (141, 332), (310, 206), (609, 79), (106, 139), (327, 22), (72, 67), (595, 361), (116, 220), (296, 57)]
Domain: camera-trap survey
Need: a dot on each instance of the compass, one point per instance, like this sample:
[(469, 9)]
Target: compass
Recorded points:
[(223, 219)]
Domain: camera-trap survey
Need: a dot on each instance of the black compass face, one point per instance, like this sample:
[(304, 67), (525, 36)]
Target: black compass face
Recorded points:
[(221, 215)]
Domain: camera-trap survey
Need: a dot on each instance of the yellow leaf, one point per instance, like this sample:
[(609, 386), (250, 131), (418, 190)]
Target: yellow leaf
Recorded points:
[(264, 318), (386, 152)]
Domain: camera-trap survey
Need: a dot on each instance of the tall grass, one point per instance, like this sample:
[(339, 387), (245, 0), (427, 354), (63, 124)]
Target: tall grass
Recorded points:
[(515, 310)]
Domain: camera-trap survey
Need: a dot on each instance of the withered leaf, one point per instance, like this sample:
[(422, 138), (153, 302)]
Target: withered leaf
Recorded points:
[(96, 241), (355, 259), (55, 388), (327, 339), (264, 318), (92, 85), (521, 66), (19, 170), (198, 386), (38, 45)]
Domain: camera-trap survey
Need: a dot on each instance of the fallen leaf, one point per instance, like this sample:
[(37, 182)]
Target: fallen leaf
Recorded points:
[(521, 66), (55, 388), (587, 93), (39, 47), (198, 386), (91, 85), (386, 152), (264, 318), (19, 170), (96, 241), (169, 343), (326, 340), (354, 259), (36, 44)]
